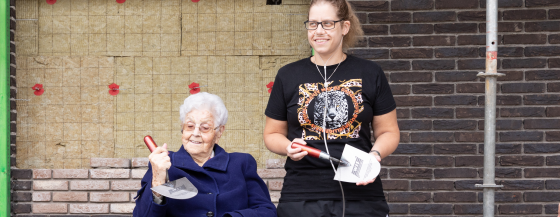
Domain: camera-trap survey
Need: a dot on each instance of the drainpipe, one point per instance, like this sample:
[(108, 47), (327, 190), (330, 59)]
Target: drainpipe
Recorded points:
[(491, 76), (5, 108)]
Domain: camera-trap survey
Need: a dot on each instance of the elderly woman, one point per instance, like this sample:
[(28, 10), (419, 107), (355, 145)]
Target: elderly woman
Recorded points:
[(227, 183)]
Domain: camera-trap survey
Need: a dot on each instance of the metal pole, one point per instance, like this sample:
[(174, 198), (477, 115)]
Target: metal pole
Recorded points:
[(5, 108), (491, 76)]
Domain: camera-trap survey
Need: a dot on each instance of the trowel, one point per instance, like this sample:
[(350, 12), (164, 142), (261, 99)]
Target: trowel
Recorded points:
[(179, 189)]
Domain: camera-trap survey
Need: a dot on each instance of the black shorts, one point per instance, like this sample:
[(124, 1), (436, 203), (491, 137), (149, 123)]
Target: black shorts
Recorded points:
[(329, 208)]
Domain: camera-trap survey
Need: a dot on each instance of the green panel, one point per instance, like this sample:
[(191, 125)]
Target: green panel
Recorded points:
[(5, 108)]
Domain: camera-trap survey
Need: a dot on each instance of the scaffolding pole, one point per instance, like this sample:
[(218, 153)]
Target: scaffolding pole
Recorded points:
[(491, 76)]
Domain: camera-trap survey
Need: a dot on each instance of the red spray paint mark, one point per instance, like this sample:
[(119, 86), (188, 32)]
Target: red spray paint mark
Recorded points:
[(120, 1), (492, 55), (195, 88), (269, 86), (38, 89), (51, 2), (113, 89), (195, 1)]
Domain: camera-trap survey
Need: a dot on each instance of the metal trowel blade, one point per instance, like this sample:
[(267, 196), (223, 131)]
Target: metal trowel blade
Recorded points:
[(180, 189)]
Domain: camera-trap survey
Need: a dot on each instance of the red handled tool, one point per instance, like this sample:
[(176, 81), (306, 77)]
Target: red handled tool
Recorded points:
[(150, 143), (316, 153)]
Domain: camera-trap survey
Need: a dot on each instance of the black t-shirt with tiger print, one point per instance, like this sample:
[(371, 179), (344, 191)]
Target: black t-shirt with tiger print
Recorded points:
[(357, 91)]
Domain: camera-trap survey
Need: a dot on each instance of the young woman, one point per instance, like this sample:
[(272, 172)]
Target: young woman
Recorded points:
[(326, 101)]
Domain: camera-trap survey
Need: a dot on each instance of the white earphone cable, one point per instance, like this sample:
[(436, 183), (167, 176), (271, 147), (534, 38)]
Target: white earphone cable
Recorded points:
[(325, 116)]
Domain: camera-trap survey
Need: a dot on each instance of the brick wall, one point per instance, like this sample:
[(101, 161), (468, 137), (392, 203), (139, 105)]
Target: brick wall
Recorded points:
[(107, 189), (431, 51)]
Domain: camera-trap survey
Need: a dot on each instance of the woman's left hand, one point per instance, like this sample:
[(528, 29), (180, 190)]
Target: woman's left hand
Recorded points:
[(370, 181)]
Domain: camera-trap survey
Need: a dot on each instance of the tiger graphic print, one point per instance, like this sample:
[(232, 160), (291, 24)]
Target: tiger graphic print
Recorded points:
[(336, 107)]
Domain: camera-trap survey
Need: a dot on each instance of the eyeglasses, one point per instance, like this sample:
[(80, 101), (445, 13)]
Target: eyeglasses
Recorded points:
[(204, 128), (313, 25)]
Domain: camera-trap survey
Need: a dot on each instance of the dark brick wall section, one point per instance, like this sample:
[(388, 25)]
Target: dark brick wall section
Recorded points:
[(16, 174), (436, 48)]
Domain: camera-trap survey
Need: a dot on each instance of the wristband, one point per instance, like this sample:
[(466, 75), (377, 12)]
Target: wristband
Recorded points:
[(376, 152)]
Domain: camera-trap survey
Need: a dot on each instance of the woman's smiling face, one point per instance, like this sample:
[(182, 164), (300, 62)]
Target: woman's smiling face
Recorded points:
[(326, 41), (199, 133)]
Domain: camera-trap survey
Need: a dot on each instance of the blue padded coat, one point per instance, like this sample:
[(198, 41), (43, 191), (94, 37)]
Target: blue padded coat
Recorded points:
[(228, 185)]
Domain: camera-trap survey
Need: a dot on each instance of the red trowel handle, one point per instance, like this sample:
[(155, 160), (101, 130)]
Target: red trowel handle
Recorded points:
[(313, 152), (150, 143)]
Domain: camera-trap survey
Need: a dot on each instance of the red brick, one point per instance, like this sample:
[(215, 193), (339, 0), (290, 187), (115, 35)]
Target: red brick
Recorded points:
[(140, 162), (401, 185), (370, 5), (21, 196), (21, 208), (541, 3), (464, 4), (89, 185), (432, 209), (409, 197), (412, 53), (275, 163), (22, 185), (412, 173), (455, 197), (41, 196), (125, 185), (455, 173), (50, 208), (412, 5), (271, 173), (41, 174), (541, 172), (536, 14), (542, 26), (375, 29), (70, 196), (21, 173), (70, 174), (89, 208), (456, 28), (275, 185), (413, 100), (110, 162), (411, 77), (109, 197), (122, 207), (389, 17), (468, 209), (521, 209), (132, 196), (525, 39), (50, 185), (138, 173), (110, 173), (395, 161), (412, 29), (430, 185), (469, 136)]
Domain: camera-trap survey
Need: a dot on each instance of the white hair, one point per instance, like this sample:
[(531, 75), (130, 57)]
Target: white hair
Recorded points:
[(205, 101)]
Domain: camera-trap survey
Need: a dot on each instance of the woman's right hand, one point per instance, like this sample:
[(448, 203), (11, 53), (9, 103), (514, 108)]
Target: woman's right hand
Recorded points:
[(160, 162), (295, 153)]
